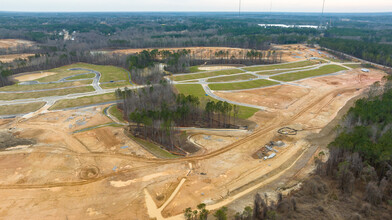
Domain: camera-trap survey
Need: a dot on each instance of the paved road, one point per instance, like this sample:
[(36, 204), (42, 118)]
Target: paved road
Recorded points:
[(98, 90)]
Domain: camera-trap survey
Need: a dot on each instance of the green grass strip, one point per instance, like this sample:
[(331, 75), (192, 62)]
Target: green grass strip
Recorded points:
[(232, 78), (282, 66), (206, 74), (328, 69), (242, 85)]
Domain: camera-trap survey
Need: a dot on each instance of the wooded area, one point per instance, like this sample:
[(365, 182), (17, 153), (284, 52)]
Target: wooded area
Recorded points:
[(156, 112)]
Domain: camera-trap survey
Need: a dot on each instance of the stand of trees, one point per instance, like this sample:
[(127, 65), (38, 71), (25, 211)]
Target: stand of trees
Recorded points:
[(156, 112), (374, 52)]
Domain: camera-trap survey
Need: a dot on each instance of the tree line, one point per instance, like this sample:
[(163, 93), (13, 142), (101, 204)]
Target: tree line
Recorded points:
[(155, 112), (374, 52)]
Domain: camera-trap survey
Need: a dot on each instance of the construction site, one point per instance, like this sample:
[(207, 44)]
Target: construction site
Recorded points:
[(70, 157)]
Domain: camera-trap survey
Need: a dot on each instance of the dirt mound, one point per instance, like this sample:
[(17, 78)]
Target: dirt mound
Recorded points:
[(89, 172), (9, 140)]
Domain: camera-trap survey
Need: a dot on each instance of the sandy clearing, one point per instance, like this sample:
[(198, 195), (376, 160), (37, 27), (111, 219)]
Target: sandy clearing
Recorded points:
[(32, 76), (11, 43), (143, 179), (11, 57)]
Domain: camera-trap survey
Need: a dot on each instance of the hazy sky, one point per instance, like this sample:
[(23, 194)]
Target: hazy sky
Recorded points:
[(197, 5)]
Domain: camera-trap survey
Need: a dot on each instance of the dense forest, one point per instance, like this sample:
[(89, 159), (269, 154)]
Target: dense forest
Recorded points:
[(155, 113), (374, 52)]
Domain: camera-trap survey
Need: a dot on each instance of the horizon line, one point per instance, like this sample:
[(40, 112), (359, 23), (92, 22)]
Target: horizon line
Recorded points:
[(315, 12)]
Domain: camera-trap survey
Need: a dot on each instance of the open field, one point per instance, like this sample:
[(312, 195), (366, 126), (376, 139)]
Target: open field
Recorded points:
[(197, 90), (11, 57), (12, 43), (109, 73), (309, 73), (113, 110), (20, 109), (242, 85), (232, 78), (17, 87), (282, 66), (354, 66), (87, 100), (204, 75), (60, 92), (84, 76), (115, 85)]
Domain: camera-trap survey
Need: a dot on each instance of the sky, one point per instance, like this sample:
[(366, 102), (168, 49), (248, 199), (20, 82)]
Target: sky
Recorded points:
[(196, 5)]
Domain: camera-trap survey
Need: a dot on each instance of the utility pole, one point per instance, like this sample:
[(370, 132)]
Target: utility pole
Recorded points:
[(322, 14)]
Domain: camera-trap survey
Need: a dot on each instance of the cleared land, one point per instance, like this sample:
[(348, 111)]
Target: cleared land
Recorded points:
[(282, 66), (20, 109), (354, 66), (115, 85), (109, 73), (17, 87), (11, 57), (232, 78), (113, 110), (242, 85), (84, 76), (305, 74), (154, 149), (60, 92), (207, 74), (197, 90), (88, 100)]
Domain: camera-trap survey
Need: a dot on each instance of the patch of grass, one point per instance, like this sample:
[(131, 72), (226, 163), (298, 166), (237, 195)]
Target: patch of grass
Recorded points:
[(232, 78), (197, 90), (17, 87), (191, 89), (82, 101), (20, 108), (60, 92), (282, 66), (84, 76), (113, 110), (194, 69), (309, 73), (109, 73), (206, 74), (354, 66), (153, 148), (242, 85), (115, 85)]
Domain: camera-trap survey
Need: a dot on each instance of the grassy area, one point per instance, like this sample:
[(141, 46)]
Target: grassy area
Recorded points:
[(206, 74), (109, 73), (194, 69), (282, 66), (17, 87), (60, 92), (20, 108), (84, 76), (115, 85), (82, 101), (309, 73), (113, 110), (232, 78), (153, 148), (197, 90), (354, 66), (242, 85)]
